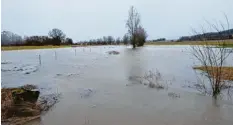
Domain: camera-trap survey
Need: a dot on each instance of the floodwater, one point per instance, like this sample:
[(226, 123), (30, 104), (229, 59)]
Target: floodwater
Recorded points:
[(96, 88)]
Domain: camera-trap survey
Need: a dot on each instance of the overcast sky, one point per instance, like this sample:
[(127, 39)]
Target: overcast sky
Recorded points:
[(89, 19)]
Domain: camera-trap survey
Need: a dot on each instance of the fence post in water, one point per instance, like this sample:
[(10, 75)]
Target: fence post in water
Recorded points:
[(55, 55), (75, 51), (39, 60)]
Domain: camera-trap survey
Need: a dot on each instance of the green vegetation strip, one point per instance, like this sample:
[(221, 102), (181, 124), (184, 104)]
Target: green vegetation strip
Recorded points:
[(229, 45)]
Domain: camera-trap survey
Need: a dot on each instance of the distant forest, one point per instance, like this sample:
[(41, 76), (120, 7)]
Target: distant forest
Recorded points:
[(56, 37), (222, 35)]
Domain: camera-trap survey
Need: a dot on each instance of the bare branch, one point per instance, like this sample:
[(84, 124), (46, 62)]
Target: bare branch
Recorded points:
[(211, 58)]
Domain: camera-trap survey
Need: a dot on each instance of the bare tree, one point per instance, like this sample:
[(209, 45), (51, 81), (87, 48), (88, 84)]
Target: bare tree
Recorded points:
[(132, 24), (9, 38), (212, 60), (118, 40), (68, 41), (57, 35), (125, 39), (110, 40)]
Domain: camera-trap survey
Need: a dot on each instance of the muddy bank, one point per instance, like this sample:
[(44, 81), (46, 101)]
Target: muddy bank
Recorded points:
[(23, 104)]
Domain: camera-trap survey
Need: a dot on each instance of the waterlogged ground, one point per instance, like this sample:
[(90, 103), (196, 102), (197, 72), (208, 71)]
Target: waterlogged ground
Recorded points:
[(100, 89)]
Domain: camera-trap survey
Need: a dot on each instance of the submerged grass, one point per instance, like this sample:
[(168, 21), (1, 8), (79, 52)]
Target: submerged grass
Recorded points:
[(227, 72)]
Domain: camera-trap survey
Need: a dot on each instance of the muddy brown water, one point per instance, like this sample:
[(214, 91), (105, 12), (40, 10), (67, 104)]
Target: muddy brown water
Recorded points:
[(96, 88)]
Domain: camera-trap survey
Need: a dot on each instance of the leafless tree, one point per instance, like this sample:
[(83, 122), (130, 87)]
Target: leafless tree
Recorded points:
[(132, 24), (110, 40), (212, 59), (125, 39), (9, 38), (57, 35), (118, 40)]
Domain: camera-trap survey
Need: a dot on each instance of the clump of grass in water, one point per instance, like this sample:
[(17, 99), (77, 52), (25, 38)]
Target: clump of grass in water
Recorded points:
[(29, 87), (151, 79), (113, 52), (155, 80), (173, 95), (48, 101)]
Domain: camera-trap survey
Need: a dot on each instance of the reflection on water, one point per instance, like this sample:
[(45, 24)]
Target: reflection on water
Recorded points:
[(97, 94), (133, 63)]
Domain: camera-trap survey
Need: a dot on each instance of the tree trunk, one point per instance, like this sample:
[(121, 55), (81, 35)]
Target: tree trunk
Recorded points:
[(134, 45), (134, 42), (216, 92)]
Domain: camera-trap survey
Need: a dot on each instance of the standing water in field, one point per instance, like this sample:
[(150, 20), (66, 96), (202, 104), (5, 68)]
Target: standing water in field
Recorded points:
[(106, 89)]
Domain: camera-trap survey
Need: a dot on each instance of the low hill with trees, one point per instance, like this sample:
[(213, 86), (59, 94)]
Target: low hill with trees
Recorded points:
[(221, 35)]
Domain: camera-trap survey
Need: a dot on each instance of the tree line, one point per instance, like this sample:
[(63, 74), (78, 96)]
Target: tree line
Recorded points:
[(136, 36), (220, 35), (55, 37), (106, 40)]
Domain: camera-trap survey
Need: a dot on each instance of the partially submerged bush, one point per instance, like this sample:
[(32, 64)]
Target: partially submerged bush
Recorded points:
[(151, 85), (155, 80), (113, 52), (151, 79), (47, 101), (213, 59), (157, 86), (173, 95)]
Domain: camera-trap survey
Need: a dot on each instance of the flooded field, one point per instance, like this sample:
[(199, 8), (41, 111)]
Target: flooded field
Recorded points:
[(100, 89)]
